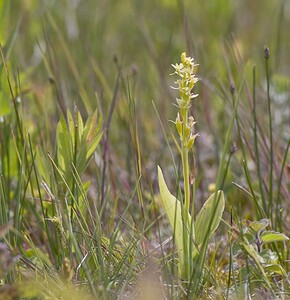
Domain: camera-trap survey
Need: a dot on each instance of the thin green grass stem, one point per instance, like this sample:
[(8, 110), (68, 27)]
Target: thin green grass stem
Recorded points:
[(278, 202), (256, 142), (271, 141)]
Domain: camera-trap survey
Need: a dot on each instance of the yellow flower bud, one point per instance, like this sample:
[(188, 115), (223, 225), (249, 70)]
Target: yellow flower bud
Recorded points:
[(187, 132), (211, 188), (191, 141), (178, 125)]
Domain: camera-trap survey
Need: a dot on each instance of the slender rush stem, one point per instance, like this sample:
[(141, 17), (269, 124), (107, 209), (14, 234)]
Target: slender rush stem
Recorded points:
[(256, 142), (271, 141)]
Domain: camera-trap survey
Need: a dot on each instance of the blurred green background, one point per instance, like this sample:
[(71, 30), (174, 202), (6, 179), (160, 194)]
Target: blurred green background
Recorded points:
[(115, 56), (70, 52)]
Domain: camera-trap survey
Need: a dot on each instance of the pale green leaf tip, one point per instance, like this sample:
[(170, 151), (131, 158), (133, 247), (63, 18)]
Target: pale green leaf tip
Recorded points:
[(159, 172)]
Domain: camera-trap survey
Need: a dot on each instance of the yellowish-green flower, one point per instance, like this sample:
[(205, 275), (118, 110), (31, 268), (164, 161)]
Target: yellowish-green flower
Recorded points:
[(186, 82)]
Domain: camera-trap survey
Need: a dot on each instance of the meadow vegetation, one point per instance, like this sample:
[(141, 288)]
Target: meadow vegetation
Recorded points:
[(113, 184)]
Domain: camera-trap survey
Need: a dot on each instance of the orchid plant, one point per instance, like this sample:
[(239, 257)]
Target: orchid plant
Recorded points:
[(191, 235)]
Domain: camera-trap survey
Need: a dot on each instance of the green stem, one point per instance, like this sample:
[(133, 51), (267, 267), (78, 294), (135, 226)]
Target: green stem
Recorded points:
[(184, 157), (186, 178), (256, 143), (188, 228), (271, 143)]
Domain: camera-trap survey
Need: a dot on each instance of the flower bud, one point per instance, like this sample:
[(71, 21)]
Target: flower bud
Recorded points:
[(178, 125), (191, 141), (211, 188), (187, 132), (266, 52), (232, 88)]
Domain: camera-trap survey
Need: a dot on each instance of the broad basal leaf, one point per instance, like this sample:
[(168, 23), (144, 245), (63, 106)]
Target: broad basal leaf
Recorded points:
[(209, 217), (173, 210)]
